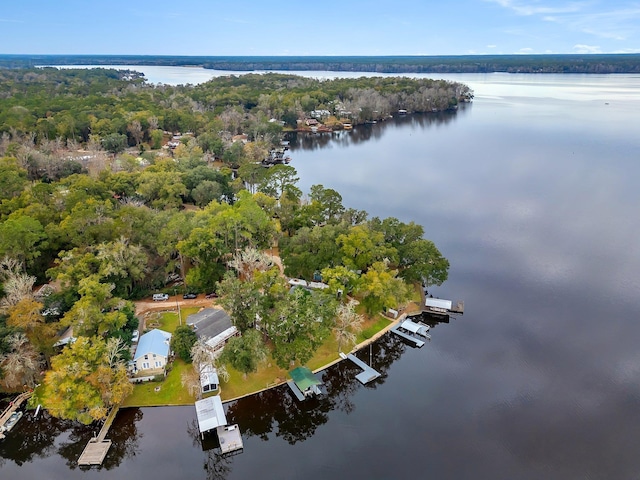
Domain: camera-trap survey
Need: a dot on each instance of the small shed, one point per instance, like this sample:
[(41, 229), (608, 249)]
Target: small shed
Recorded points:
[(209, 381)]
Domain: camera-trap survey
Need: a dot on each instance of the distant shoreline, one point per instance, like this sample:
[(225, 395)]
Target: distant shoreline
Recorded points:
[(569, 63)]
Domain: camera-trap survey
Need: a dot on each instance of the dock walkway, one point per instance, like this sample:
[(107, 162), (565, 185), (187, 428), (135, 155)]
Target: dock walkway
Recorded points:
[(409, 338), (13, 406), (367, 374), (296, 391), (97, 448)]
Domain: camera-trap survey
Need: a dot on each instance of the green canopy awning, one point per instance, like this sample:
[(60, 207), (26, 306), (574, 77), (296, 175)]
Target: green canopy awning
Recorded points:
[(304, 378)]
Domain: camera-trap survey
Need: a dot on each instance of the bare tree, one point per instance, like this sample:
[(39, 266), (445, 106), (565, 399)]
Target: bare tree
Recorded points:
[(249, 261), (203, 357), (348, 324), (17, 284), (135, 129), (21, 365)]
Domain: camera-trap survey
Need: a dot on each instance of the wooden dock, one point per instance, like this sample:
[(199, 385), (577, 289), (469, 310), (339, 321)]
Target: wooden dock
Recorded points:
[(97, 448), (367, 373), (409, 338), (230, 439), (13, 406)]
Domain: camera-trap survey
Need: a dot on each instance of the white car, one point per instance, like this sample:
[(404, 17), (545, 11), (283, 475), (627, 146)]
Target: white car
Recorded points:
[(160, 297), (135, 336)]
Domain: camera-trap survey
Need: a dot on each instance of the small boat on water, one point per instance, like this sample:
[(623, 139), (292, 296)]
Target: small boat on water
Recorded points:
[(11, 422)]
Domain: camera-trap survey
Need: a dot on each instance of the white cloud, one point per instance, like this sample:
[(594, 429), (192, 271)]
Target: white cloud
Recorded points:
[(491, 46), (581, 48), (534, 8), (525, 50)]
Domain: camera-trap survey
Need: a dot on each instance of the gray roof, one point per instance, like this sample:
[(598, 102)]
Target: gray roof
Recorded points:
[(209, 322)]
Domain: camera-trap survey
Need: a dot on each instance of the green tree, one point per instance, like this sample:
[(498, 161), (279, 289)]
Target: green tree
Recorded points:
[(361, 247), (245, 353), (182, 342), (380, 287), (114, 143), (240, 299), (326, 204), (13, 178), (298, 325), (22, 238), (85, 380), (277, 179)]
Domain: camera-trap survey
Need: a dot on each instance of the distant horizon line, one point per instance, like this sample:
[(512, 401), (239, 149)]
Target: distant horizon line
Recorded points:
[(519, 55)]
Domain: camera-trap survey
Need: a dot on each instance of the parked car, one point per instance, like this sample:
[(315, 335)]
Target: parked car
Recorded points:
[(135, 336), (189, 296), (160, 297), (211, 295)]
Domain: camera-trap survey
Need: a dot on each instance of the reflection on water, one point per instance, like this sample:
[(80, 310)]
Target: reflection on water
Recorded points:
[(365, 133), (531, 193)]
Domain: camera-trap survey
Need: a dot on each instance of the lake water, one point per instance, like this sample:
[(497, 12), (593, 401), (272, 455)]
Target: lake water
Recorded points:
[(531, 193)]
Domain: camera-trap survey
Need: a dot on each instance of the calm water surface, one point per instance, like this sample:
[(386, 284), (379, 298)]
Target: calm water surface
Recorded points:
[(531, 193)]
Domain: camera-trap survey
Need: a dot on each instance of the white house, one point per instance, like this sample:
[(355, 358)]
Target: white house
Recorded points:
[(152, 353)]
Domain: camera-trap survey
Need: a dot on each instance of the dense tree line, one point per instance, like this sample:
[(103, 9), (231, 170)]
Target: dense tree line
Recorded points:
[(117, 226), (557, 63)]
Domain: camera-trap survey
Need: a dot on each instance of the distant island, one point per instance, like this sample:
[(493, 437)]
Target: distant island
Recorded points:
[(574, 63)]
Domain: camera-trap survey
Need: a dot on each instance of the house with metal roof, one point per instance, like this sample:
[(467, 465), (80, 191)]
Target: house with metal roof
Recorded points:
[(152, 353), (214, 325)]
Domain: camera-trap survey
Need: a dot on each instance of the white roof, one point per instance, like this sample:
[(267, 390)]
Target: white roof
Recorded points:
[(213, 342), (414, 327), (297, 282), (208, 376), (438, 303), (210, 414)]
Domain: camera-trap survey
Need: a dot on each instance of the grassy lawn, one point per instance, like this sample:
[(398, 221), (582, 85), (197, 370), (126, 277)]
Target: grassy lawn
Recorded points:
[(372, 326), (171, 391), (267, 375), (169, 321)]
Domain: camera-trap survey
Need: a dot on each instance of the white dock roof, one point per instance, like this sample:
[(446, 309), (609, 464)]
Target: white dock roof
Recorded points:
[(438, 303), (210, 414)]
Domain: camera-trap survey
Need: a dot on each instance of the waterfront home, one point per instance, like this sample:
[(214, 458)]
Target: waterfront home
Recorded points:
[(214, 325), (152, 353)]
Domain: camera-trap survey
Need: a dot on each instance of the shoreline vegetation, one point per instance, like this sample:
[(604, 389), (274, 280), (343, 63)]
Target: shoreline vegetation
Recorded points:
[(548, 63), (113, 191)]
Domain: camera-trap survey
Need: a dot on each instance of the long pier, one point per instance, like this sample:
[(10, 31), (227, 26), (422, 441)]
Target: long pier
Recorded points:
[(97, 448), (367, 374)]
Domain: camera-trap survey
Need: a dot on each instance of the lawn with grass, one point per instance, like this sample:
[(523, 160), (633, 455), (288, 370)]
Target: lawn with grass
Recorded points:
[(371, 326), (169, 321), (268, 374), (171, 391)]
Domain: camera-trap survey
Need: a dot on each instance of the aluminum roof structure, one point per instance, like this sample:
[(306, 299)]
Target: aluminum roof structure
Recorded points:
[(210, 414), (156, 341), (438, 303)]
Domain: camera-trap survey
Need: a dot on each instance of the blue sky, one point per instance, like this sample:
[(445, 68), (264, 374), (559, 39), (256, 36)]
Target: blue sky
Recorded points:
[(321, 27)]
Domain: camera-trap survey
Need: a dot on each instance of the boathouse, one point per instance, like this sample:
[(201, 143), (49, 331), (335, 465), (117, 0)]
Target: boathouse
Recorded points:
[(304, 383), (210, 414)]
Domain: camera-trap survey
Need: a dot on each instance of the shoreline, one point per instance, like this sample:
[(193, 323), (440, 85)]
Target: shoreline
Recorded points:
[(359, 346)]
